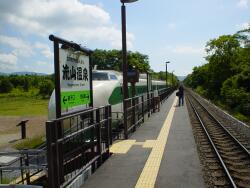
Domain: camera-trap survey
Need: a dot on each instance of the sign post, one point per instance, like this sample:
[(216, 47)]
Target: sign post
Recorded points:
[(73, 77)]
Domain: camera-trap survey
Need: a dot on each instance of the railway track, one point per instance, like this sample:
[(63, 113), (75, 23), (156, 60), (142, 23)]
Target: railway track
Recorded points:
[(238, 129), (226, 158)]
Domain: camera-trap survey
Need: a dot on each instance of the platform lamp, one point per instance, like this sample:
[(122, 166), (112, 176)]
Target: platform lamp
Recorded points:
[(124, 48), (124, 61), (167, 73)]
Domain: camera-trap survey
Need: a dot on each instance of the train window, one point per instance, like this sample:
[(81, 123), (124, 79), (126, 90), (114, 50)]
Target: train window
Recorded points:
[(113, 77), (100, 76)]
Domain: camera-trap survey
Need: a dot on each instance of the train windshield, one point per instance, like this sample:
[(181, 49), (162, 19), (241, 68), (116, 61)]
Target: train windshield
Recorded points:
[(113, 77), (100, 76)]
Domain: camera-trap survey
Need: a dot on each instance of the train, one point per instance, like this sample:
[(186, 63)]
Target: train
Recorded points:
[(107, 90)]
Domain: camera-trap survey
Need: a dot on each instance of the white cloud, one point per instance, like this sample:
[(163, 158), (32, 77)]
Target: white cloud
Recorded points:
[(8, 62), (20, 47), (242, 3), (71, 19), (10, 59), (244, 25), (43, 66), (186, 49), (41, 63), (45, 50)]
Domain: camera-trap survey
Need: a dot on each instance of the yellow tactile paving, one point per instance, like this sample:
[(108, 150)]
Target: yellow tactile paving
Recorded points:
[(149, 144), (122, 147), (139, 143), (149, 173)]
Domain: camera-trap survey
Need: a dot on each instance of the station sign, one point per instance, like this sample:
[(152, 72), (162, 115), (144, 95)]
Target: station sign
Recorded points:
[(74, 80)]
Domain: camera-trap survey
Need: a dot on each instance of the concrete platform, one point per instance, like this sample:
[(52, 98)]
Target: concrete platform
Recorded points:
[(180, 166), (161, 153)]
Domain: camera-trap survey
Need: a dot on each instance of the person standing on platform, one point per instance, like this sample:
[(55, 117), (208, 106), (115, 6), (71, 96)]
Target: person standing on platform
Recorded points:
[(181, 95)]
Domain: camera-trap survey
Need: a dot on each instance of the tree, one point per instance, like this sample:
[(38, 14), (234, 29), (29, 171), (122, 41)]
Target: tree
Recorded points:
[(226, 76), (26, 84), (112, 60), (222, 52), (46, 88), (106, 60), (5, 86), (138, 61)]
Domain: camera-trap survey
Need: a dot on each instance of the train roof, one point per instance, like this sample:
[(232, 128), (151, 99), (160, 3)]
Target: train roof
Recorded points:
[(119, 74), (109, 71)]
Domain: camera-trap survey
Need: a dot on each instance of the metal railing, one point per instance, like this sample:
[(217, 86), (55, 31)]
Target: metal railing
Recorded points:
[(165, 93), (136, 108), (21, 166), (75, 142)]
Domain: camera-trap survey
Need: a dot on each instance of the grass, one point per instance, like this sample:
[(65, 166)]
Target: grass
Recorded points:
[(6, 180), (30, 143), (221, 105), (20, 106), (27, 103), (233, 113), (242, 117)]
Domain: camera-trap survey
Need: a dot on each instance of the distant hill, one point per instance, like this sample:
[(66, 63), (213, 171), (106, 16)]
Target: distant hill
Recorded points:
[(22, 73), (3, 74), (28, 73), (181, 78)]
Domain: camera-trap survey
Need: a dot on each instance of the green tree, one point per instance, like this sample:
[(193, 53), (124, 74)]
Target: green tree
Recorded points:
[(46, 88), (226, 76), (138, 61), (5, 86), (26, 83), (112, 60), (222, 52)]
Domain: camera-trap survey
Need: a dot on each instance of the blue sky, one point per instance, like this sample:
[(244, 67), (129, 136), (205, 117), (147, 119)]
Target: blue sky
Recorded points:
[(165, 30)]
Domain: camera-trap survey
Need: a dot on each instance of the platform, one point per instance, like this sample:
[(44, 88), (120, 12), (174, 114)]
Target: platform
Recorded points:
[(161, 153)]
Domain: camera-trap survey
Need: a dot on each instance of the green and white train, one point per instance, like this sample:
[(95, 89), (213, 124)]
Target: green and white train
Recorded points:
[(107, 89)]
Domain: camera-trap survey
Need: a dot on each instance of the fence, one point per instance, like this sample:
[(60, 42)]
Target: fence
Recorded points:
[(76, 142), (136, 108), (79, 141), (165, 92), (21, 166)]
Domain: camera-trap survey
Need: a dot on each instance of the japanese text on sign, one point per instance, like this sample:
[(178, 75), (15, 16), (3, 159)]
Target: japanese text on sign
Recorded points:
[(75, 82)]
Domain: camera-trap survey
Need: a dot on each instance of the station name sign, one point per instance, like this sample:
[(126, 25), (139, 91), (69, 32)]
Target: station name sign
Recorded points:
[(74, 80)]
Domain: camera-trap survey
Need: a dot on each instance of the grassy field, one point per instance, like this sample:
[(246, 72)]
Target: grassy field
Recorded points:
[(20, 103), (23, 105)]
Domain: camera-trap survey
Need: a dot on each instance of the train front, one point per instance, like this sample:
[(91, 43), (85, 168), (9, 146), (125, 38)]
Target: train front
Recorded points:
[(104, 85)]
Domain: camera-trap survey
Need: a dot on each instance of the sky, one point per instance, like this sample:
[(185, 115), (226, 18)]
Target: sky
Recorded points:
[(165, 30)]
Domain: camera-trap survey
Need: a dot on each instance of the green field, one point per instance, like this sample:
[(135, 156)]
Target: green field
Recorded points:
[(23, 105)]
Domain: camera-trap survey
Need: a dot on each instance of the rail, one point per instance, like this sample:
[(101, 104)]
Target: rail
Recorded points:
[(225, 129), (224, 164)]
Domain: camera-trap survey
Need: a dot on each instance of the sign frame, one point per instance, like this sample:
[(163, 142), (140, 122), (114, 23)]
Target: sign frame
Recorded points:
[(57, 41)]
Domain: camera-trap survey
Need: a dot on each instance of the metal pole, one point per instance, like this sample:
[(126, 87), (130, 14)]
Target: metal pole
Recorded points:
[(166, 74), (98, 137), (124, 67), (57, 79), (1, 176), (172, 78), (148, 88), (91, 81), (124, 53), (26, 161)]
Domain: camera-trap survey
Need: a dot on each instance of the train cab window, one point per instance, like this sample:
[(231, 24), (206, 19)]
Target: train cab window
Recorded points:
[(113, 77), (100, 76)]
